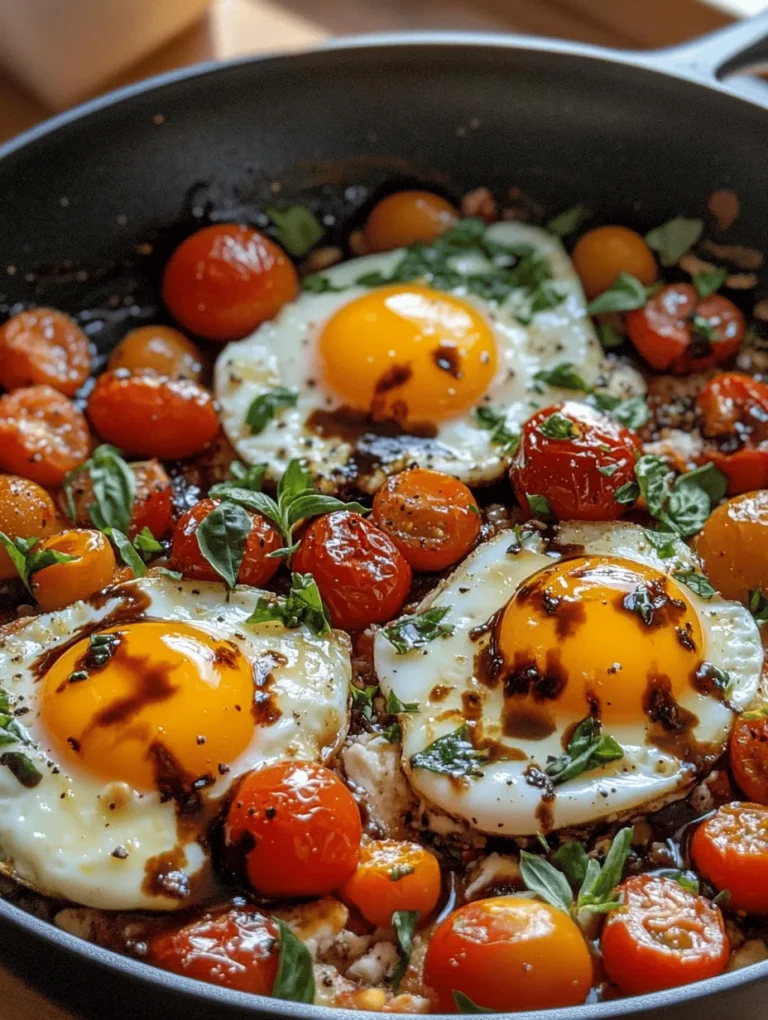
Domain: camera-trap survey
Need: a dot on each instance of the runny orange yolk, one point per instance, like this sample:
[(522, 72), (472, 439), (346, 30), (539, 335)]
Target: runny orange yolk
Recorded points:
[(574, 625), (171, 701), (409, 354)]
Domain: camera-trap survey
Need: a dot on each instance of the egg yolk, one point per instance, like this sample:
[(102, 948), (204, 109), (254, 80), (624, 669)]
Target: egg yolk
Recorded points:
[(599, 635), (408, 354), (153, 704)]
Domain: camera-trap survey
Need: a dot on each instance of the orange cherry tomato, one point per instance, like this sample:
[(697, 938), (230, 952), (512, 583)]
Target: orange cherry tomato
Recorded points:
[(733, 545), (42, 435), (433, 519), (256, 569), (578, 476), (41, 346), (238, 949), (393, 876), (404, 217), (225, 280), (362, 575), (730, 850), (663, 936), (152, 416), (294, 829), (508, 954), (160, 349), (152, 503), (91, 569), (733, 408), (675, 332), (749, 757), (26, 511), (601, 254)]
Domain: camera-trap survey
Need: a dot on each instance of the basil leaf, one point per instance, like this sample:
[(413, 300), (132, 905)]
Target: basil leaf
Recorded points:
[(296, 481), (572, 860), (758, 606), (295, 978), (705, 327), (302, 605), (392, 733), (128, 554), (624, 295), (674, 238), (39, 560), (708, 478), (249, 477), (662, 541), (568, 221), (722, 899), (544, 881), (362, 698), (147, 545), (709, 282), (608, 337), (396, 707), (563, 376), (312, 504), (627, 493), (465, 1005), (652, 475), (494, 420), (416, 631), (297, 228), (316, 283), (557, 426), (609, 470), (598, 890), (21, 768), (266, 406), (114, 488), (175, 575), (17, 550), (539, 505), (632, 412), (221, 538), (451, 755), (586, 750), (547, 295), (400, 871), (404, 922), (258, 501), (688, 509), (697, 582)]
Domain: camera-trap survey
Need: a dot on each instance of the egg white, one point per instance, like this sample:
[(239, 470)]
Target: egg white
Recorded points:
[(59, 836), (501, 801), (282, 353)]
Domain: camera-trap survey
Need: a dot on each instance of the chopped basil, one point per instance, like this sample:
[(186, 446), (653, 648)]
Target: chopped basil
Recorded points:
[(316, 283), (27, 558), (587, 749), (295, 978), (495, 420), (101, 648), (557, 426), (704, 327), (175, 575), (572, 860), (147, 545), (758, 606), (397, 707), (632, 412), (674, 238), (697, 582), (114, 489), (609, 338), (662, 541), (568, 221), (267, 405), (416, 631), (11, 732), (609, 470), (544, 881), (404, 922), (128, 553), (400, 871), (221, 538), (624, 295), (242, 476), (302, 605), (539, 505), (465, 1005), (652, 475), (709, 282), (520, 539), (598, 890), (685, 879), (563, 376), (392, 733), (713, 676), (641, 601), (21, 768), (362, 698), (627, 493), (450, 755), (684, 506), (297, 228)]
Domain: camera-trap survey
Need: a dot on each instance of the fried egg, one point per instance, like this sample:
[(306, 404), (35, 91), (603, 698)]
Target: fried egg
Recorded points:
[(548, 635), (140, 709), (388, 376)]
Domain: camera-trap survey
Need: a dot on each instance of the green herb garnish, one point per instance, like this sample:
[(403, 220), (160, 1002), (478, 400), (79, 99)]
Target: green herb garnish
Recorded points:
[(362, 699), (558, 426), (267, 405), (624, 295), (450, 755), (404, 922), (465, 1005), (295, 978), (302, 605), (221, 538), (416, 631), (27, 558), (697, 582), (709, 282), (539, 505), (564, 376), (674, 238), (568, 221), (297, 228), (587, 749), (495, 420)]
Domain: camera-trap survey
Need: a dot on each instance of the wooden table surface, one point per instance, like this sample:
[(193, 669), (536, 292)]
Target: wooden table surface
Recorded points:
[(239, 27)]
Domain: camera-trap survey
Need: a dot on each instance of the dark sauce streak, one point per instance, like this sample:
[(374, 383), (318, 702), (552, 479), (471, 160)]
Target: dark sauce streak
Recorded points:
[(266, 710), (663, 609), (362, 430), (489, 661), (163, 875), (569, 613), (448, 359), (526, 723), (440, 692), (685, 638), (525, 679), (674, 725)]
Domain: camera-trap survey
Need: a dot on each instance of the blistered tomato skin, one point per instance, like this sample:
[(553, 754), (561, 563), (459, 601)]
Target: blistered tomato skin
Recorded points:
[(362, 576), (41, 346), (578, 476), (733, 414), (225, 280), (42, 435), (238, 949), (257, 567), (153, 416), (508, 954), (26, 511), (152, 503), (405, 217), (89, 571), (749, 757), (601, 254), (433, 519), (293, 830), (730, 849), (393, 875), (733, 545)]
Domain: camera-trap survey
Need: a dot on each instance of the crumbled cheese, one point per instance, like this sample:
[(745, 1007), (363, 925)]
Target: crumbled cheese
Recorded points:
[(372, 969), (753, 951), (372, 767), (493, 870)]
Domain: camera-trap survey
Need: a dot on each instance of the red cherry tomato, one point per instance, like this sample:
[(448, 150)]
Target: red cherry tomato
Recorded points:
[(225, 280), (580, 473), (42, 435), (257, 567), (675, 332), (362, 576), (733, 408), (294, 829), (41, 346)]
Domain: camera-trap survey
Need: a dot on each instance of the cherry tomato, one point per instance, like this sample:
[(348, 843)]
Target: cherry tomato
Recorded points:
[(152, 503), (256, 569), (362, 576), (159, 349), (152, 416), (508, 954), (663, 936), (393, 876), (42, 435), (225, 280), (295, 830), (580, 475), (601, 254), (43, 347), (26, 511), (730, 850), (91, 569), (433, 519), (749, 757), (733, 409), (675, 332), (733, 545), (404, 217), (238, 949)]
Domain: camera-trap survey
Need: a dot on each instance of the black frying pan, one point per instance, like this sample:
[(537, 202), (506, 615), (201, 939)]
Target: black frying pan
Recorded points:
[(636, 137)]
